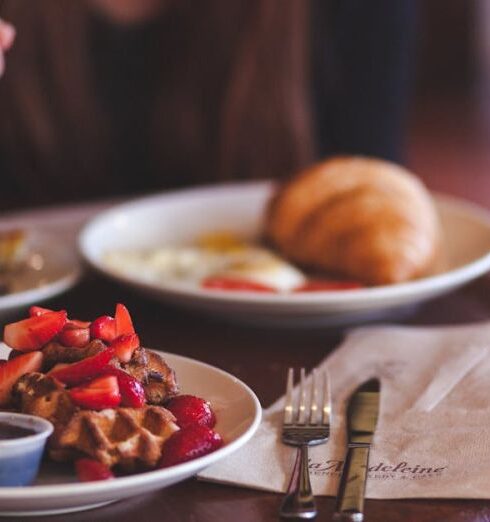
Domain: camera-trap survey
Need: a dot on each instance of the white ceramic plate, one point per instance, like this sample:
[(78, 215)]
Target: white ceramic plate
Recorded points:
[(179, 218), (52, 267), (238, 415)]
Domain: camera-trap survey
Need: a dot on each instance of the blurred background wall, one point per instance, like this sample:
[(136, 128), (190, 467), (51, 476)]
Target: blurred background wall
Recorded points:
[(449, 138)]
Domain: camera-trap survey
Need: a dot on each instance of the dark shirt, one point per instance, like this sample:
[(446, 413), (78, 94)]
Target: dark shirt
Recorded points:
[(129, 58), (362, 54), (363, 69), (362, 65)]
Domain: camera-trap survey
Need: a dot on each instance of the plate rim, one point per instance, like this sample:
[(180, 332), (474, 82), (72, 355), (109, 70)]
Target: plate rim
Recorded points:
[(457, 276), (79, 489)]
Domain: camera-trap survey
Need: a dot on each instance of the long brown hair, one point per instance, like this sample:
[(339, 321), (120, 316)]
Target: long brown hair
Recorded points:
[(234, 104)]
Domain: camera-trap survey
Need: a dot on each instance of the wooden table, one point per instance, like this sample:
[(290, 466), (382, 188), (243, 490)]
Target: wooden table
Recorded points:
[(260, 357)]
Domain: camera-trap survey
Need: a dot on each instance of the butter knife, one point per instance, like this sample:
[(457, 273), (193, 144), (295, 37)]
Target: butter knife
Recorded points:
[(362, 417)]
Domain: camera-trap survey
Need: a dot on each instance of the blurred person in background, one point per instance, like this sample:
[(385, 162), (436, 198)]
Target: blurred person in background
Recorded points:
[(121, 97)]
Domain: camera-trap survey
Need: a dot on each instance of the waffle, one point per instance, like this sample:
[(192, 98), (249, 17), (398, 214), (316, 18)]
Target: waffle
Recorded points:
[(153, 372), (41, 395), (129, 438)]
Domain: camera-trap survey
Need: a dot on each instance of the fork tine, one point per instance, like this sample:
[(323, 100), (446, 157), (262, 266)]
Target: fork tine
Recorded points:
[(302, 399), (288, 407), (314, 398), (327, 402)]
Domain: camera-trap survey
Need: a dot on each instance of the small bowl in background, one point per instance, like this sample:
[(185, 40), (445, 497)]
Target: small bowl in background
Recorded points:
[(21, 447)]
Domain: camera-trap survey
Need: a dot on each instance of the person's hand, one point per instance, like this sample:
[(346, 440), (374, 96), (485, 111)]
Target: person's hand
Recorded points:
[(7, 36)]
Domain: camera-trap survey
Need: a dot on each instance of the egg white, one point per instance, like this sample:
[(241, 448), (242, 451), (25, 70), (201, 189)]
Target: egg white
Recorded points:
[(261, 266), (194, 264)]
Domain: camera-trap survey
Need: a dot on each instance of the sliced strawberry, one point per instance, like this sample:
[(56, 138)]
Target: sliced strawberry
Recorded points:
[(98, 394), (235, 284), (188, 444), (15, 368), (78, 324), (58, 366), (85, 369), (132, 391), (103, 328), (125, 345), (91, 469), (73, 335), (124, 323), (190, 410), (33, 333), (36, 311)]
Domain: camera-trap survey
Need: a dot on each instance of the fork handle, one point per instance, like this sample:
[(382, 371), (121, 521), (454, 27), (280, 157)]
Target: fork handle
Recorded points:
[(299, 501), (350, 498)]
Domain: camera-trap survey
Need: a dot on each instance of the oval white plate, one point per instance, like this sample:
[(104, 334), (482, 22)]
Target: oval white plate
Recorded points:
[(238, 415), (178, 218), (53, 267)]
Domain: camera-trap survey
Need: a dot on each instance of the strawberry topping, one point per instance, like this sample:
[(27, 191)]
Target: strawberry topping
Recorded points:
[(132, 391), (78, 324), (235, 284), (11, 370), (124, 323), (85, 369), (91, 469), (190, 410), (97, 382), (36, 311), (74, 335), (189, 443), (33, 333), (58, 366), (103, 328), (98, 394), (125, 345)]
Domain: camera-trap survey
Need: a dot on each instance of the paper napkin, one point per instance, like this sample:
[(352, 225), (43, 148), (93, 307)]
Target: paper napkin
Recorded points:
[(433, 436)]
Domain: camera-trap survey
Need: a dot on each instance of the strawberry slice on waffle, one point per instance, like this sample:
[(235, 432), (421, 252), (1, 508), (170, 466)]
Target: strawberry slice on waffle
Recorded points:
[(11, 371)]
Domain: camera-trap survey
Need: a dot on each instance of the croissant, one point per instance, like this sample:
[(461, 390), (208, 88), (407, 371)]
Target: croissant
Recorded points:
[(359, 217)]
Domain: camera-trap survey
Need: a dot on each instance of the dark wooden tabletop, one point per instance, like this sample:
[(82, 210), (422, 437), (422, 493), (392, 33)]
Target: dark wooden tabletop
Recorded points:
[(260, 357)]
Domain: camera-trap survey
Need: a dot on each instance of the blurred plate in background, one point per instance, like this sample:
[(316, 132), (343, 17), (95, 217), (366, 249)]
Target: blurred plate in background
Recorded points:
[(51, 266), (179, 218)]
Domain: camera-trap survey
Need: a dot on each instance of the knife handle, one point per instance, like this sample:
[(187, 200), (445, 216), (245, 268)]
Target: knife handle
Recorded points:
[(350, 498)]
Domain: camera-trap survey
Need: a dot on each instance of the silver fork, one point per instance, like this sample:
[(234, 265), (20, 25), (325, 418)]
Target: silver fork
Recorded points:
[(304, 428)]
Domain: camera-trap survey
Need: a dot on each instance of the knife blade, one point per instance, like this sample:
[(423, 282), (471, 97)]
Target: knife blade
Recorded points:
[(362, 418)]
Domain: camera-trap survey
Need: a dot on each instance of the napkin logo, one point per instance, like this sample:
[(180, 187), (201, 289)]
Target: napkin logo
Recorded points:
[(381, 470), (404, 471)]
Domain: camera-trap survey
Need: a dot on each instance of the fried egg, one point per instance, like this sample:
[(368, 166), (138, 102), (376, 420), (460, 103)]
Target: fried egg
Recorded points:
[(193, 264)]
